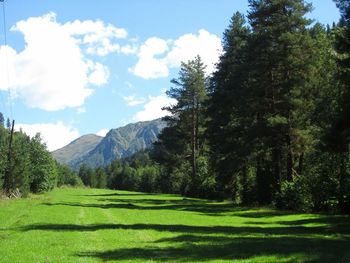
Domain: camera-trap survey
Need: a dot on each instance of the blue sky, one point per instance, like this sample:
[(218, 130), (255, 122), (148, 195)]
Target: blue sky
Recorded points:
[(82, 66)]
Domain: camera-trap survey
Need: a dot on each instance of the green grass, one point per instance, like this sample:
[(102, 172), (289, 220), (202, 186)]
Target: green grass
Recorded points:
[(90, 225)]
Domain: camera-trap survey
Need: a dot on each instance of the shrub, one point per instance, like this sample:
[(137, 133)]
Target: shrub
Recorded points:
[(293, 196)]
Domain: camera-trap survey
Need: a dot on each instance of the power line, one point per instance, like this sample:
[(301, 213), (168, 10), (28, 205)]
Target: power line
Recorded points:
[(6, 60), (1, 95)]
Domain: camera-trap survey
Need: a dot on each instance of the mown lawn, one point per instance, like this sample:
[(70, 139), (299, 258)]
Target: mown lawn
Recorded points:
[(88, 225)]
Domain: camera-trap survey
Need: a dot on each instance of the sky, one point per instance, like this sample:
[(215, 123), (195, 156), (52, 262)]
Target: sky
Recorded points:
[(83, 67)]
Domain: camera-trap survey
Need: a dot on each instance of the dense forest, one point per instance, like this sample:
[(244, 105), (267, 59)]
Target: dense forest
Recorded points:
[(27, 166), (270, 126)]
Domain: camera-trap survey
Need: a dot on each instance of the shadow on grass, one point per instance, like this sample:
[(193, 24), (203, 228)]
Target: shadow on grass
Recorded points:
[(263, 213), (292, 241), (149, 204), (226, 230), (118, 194), (210, 248), (334, 221)]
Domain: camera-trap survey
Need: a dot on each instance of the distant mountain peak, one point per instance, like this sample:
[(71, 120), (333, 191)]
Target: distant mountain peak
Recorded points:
[(94, 150)]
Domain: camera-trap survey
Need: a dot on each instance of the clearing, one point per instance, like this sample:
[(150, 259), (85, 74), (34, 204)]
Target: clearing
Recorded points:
[(89, 225)]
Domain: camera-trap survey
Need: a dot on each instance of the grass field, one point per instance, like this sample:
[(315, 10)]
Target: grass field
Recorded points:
[(88, 225)]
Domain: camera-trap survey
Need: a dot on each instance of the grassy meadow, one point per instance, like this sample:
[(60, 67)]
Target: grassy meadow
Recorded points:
[(91, 225)]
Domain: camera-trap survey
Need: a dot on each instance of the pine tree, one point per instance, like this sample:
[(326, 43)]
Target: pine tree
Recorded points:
[(280, 54), (2, 120), (187, 119), (339, 137), (227, 106)]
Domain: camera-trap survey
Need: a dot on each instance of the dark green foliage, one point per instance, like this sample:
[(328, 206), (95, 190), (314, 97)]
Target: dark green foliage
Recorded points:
[(338, 138), (88, 176), (20, 165), (227, 123), (43, 167), (278, 114), (30, 167), (2, 120), (101, 178), (182, 146), (294, 195), (149, 178), (66, 176)]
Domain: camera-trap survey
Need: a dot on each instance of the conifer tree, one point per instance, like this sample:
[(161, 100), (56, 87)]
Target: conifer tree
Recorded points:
[(227, 106), (186, 120)]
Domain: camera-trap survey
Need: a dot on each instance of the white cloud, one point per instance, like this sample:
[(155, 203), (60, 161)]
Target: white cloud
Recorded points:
[(153, 108), (99, 74), (133, 101), (187, 47), (97, 36), (149, 67), (52, 72), (81, 110), (156, 55), (102, 132), (55, 135), (129, 50)]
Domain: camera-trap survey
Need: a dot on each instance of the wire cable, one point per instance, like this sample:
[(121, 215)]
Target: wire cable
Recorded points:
[(1, 95), (10, 102)]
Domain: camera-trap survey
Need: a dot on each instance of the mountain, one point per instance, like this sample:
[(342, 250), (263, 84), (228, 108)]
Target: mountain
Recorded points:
[(77, 148), (118, 143)]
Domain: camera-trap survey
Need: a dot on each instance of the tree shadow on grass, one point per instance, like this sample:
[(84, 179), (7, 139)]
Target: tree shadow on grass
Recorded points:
[(327, 243), (225, 230), (118, 194), (290, 248), (213, 209), (264, 213), (334, 221)]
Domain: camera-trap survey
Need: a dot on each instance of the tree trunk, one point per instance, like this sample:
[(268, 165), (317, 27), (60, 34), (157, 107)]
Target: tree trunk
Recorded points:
[(301, 163), (290, 162), (193, 146), (197, 127), (276, 155), (343, 198), (8, 186), (244, 184)]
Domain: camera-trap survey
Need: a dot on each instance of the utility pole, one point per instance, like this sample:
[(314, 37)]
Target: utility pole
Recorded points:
[(8, 171)]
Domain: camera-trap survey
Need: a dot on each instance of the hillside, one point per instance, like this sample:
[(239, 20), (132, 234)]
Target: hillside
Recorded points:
[(118, 143), (77, 148)]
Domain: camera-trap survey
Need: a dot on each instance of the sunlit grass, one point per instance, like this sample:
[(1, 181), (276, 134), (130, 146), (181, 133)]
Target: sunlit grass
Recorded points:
[(88, 225)]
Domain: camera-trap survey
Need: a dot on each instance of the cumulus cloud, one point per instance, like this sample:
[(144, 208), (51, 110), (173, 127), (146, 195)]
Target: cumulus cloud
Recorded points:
[(148, 66), (55, 135), (133, 101), (129, 50), (99, 74), (102, 132), (81, 110), (98, 37), (53, 72), (153, 108), (206, 45), (156, 55)]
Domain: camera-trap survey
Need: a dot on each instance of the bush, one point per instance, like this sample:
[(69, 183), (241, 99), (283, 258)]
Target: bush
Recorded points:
[(293, 196)]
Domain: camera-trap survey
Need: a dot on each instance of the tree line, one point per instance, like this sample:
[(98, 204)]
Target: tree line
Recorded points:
[(27, 166), (270, 126)]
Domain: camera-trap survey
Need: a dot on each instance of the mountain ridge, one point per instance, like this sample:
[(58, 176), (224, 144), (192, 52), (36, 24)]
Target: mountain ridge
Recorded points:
[(118, 143), (76, 148)]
